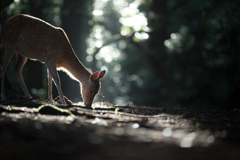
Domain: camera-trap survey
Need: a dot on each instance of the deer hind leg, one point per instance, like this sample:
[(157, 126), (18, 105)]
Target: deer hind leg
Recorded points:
[(8, 54), (50, 87), (53, 72), (18, 72)]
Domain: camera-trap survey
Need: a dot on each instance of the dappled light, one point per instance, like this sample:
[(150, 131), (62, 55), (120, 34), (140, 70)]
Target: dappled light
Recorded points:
[(107, 50), (130, 18), (176, 40), (169, 73), (149, 127), (108, 53)]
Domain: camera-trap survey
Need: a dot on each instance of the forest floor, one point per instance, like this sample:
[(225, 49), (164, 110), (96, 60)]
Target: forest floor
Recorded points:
[(28, 131)]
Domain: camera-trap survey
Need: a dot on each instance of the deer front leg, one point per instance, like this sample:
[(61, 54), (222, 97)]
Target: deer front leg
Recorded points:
[(53, 72), (50, 88), (18, 72)]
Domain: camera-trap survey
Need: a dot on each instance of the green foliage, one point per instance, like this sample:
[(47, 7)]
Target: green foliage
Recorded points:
[(51, 109), (116, 111), (191, 58)]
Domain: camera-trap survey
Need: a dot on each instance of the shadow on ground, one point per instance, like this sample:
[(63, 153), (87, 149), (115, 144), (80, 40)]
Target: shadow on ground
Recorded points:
[(110, 132)]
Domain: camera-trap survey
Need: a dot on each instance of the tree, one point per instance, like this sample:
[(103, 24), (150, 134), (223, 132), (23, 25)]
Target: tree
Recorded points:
[(190, 58)]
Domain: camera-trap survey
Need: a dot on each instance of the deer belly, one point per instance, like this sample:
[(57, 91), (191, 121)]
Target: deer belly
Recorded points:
[(32, 52)]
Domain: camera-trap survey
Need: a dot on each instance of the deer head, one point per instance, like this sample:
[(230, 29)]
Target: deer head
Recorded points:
[(91, 87)]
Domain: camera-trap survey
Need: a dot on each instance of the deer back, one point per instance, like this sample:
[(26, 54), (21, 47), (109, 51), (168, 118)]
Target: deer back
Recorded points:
[(35, 39)]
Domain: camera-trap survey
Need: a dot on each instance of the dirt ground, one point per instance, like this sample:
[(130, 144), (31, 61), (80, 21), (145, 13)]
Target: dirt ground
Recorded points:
[(115, 132)]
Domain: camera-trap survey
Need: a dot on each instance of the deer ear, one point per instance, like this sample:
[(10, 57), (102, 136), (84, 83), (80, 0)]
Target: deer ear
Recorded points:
[(101, 74), (94, 76)]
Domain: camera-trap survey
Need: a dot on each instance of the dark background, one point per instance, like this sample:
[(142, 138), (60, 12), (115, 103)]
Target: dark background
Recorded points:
[(190, 58)]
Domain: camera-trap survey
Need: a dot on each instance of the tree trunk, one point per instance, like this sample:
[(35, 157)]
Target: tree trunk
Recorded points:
[(34, 74)]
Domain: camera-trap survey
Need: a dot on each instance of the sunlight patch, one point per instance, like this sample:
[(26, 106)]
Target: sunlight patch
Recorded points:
[(108, 53), (167, 132), (97, 12), (98, 44)]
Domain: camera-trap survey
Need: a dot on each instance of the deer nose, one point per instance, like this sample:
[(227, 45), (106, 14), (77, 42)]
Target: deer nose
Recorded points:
[(88, 103), (88, 100)]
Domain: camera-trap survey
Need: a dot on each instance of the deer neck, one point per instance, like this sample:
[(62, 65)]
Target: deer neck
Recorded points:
[(75, 69)]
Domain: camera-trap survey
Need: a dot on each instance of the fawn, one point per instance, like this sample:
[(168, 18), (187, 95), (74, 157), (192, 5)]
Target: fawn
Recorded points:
[(33, 38)]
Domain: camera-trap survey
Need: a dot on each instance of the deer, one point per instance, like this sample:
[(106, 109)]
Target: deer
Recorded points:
[(32, 38)]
